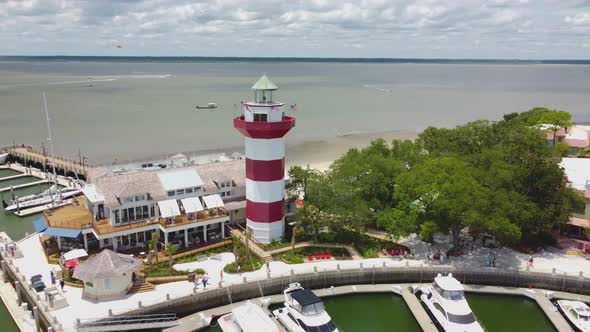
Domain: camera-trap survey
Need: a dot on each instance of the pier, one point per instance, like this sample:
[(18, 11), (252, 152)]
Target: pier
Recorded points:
[(12, 177), (40, 159), (24, 185)]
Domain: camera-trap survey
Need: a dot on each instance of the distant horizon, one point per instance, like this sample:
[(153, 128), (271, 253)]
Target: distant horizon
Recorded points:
[(190, 58)]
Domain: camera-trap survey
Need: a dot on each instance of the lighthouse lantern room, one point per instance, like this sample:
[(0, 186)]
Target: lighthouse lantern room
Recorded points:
[(264, 125)]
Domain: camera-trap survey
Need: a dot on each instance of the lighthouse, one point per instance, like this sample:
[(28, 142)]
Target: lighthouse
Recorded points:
[(264, 126)]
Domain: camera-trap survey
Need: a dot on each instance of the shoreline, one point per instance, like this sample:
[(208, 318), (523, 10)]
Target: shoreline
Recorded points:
[(316, 153)]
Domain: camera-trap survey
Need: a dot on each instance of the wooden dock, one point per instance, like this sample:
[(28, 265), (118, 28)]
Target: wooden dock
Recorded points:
[(417, 310), (39, 209), (12, 177), (31, 156), (25, 185)]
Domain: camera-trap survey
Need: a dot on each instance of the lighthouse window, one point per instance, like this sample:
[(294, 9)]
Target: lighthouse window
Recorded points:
[(260, 117)]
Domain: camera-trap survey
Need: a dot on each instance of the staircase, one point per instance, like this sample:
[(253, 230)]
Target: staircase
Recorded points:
[(254, 248), (145, 287)]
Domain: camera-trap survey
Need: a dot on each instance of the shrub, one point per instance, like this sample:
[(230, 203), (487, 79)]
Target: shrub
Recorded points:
[(199, 271)]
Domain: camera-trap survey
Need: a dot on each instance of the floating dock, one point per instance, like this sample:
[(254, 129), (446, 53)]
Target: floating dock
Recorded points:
[(24, 185), (12, 177), (39, 209)]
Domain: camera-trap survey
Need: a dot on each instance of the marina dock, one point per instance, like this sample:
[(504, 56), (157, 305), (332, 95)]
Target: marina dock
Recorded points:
[(39, 209), (31, 156), (25, 185), (12, 177)]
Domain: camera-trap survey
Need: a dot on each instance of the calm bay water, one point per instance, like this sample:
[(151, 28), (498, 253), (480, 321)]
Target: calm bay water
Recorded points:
[(509, 313), (135, 110)]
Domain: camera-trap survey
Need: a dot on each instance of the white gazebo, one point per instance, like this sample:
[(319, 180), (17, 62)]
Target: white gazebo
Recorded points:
[(106, 276)]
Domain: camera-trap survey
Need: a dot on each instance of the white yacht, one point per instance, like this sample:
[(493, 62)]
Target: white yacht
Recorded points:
[(304, 311), (577, 312), (247, 318), (446, 301), (43, 198)]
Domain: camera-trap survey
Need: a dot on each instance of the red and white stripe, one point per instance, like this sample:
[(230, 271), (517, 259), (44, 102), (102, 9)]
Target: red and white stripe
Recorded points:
[(265, 186)]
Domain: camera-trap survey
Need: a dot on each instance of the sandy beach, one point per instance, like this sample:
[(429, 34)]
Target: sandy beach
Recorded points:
[(320, 154)]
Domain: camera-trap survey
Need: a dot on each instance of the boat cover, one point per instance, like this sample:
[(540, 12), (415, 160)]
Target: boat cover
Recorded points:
[(39, 224), (305, 297)]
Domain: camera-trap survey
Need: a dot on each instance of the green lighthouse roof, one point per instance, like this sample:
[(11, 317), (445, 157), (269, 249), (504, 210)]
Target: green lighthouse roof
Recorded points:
[(264, 83)]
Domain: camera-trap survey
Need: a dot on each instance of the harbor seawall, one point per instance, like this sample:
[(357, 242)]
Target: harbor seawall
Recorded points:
[(224, 295)]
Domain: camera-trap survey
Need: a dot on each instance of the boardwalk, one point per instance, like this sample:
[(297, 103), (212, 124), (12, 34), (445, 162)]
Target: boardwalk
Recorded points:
[(254, 248), (418, 311), (29, 155)]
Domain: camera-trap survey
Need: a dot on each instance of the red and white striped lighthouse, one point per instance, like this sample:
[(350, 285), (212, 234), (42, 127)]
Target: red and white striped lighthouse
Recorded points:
[(264, 125)]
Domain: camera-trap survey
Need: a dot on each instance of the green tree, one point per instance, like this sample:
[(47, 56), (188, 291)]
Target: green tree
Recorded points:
[(556, 120), (153, 245), (442, 192), (170, 251)]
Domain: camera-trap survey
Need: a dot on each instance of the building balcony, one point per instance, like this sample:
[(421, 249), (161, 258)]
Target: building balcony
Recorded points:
[(264, 129)]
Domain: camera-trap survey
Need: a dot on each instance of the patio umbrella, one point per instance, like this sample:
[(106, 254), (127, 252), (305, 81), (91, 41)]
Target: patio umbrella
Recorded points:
[(72, 263)]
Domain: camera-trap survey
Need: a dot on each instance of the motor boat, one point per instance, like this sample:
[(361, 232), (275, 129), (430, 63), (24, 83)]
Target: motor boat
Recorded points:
[(445, 299), (43, 198), (303, 311), (3, 157), (577, 313), (209, 106), (247, 318)]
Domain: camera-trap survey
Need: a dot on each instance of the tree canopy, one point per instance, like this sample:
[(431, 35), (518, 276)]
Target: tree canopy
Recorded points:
[(499, 177)]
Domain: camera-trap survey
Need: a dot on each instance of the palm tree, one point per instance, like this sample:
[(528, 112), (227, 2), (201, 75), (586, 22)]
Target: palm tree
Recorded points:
[(153, 245), (170, 251)]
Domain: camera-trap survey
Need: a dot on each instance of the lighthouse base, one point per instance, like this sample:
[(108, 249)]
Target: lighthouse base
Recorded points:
[(266, 232)]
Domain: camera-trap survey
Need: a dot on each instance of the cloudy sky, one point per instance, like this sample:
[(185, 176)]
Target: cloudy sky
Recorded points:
[(531, 29)]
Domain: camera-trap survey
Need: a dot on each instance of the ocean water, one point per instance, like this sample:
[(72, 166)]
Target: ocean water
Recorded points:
[(135, 110)]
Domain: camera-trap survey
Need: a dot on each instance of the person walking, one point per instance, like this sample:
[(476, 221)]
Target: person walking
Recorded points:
[(52, 276), (531, 260), (205, 280), (267, 267), (62, 284)]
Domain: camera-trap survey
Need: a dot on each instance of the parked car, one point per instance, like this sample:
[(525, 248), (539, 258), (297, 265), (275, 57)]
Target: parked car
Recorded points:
[(37, 283)]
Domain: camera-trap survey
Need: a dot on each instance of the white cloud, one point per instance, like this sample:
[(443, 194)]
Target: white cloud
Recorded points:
[(372, 28)]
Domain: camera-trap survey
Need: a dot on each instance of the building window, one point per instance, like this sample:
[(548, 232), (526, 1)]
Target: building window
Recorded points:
[(189, 190), (222, 194), (260, 117), (128, 200), (152, 210), (125, 217), (171, 193), (131, 214), (180, 192), (140, 198), (138, 213), (145, 210), (228, 193), (117, 218), (221, 184), (197, 188)]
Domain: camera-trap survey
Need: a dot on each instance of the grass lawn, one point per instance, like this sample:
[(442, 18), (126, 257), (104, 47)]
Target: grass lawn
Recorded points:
[(163, 269), (367, 246), (300, 254), (276, 244), (243, 260)]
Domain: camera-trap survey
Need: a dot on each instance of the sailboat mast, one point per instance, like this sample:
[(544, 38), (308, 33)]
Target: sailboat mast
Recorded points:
[(51, 148)]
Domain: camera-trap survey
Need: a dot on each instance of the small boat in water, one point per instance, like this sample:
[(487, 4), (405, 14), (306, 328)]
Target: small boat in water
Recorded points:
[(209, 106), (445, 299), (3, 157), (43, 198), (303, 311), (577, 313), (247, 318)]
